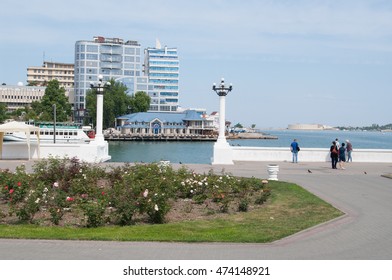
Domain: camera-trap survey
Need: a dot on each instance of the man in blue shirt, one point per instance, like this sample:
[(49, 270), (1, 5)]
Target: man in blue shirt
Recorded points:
[(294, 150)]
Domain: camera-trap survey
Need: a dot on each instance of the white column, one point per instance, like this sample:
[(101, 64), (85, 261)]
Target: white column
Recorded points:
[(222, 122), (223, 153), (99, 136)]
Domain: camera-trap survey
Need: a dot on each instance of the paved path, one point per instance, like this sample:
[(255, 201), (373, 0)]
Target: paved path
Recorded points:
[(365, 232)]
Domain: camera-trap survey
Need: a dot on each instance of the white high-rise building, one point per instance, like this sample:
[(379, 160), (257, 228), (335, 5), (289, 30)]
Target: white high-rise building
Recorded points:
[(161, 65), (113, 58)]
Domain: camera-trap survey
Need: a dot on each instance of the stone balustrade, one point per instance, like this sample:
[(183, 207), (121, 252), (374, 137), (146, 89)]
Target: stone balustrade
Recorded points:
[(306, 154)]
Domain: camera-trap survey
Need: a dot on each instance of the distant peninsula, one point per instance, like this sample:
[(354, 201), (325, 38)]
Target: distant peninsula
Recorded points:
[(373, 127)]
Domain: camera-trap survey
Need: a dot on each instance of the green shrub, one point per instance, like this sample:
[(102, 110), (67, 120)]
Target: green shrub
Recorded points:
[(94, 210), (263, 196), (243, 205), (56, 213), (120, 195)]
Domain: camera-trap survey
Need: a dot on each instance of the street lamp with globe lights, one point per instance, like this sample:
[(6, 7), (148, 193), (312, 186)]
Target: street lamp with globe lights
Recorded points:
[(99, 88), (222, 90)]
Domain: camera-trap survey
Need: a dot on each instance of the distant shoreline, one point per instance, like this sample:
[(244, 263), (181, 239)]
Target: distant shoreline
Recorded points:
[(250, 135)]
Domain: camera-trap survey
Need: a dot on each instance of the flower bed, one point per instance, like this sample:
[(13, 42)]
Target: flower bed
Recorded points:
[(70, 192)]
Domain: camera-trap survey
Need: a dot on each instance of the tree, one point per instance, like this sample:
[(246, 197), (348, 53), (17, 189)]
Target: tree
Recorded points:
[(115, 103), (32, 84), (140, 102), (53, 95), (3, 110), (19, 114)]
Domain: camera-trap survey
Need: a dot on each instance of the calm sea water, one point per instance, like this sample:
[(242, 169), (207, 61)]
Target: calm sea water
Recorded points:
[(201, 152)]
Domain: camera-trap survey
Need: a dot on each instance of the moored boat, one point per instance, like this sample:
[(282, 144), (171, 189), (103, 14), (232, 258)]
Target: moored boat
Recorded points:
[(61, 132)]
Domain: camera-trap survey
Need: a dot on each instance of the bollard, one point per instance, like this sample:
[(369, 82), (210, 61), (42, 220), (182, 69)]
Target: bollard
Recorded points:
[(273, 170)]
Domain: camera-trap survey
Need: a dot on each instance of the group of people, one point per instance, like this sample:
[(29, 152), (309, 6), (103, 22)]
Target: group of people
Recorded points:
[(338, 152)]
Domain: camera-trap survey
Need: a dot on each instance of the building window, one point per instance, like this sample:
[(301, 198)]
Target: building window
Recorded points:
[(129, 58), (92, 48), (91, 56), (129, 50), (165, 108)]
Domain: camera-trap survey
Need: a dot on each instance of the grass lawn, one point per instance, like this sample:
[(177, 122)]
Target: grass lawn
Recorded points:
[(290, 209)]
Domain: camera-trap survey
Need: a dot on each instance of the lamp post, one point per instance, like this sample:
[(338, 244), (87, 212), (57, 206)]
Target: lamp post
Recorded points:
[(99, 87), (54, 123), (222, 90)]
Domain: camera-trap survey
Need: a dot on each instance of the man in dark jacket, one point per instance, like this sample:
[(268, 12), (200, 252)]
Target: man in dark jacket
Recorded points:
[(334, 154), (294, 147)]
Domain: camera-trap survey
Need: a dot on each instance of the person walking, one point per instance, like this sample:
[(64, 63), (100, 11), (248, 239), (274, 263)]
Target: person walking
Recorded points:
[(349, 149), (294, 147), (342, 156), (334, 154)]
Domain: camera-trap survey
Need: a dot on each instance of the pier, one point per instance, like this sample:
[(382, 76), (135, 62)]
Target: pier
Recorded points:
[(159, 137), (182, 137)]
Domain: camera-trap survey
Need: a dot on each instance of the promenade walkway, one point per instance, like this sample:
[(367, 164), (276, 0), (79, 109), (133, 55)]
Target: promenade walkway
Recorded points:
[(365, 232)]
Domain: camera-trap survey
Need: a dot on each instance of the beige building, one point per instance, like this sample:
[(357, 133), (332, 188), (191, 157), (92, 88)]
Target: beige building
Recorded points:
[(20, 96), (62, 72)]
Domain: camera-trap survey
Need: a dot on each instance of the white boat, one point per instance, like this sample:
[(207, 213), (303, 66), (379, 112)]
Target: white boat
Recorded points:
[(62, 133)]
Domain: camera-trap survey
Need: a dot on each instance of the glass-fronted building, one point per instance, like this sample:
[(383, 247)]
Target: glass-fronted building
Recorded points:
[(162, 68), (113, 58)]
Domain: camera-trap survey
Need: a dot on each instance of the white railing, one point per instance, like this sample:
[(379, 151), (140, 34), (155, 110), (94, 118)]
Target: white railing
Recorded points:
[(88, 152), (306, 154)]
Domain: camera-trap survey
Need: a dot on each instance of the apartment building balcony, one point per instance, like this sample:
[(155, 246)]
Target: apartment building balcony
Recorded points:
[(111, 65), (116, 58), (106, 49)]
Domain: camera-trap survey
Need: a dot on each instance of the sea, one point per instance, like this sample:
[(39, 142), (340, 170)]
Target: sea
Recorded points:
[(201, 152)]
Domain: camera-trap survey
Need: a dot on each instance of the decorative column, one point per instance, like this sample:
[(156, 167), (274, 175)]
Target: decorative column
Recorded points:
[(99, 87), (98, 135), (222, 151), (222, 120)]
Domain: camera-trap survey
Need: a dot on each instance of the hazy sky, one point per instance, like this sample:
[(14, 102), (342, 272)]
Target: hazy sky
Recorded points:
[(290, 61)]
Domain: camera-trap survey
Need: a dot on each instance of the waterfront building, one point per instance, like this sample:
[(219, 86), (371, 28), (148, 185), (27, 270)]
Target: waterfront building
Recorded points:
[(20, 96), (62, 72), (187, 123), (113, 58), (161, 65), (214, 117)]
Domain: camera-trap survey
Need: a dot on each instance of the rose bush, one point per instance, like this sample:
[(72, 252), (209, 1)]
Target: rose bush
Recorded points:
[(122, 195)]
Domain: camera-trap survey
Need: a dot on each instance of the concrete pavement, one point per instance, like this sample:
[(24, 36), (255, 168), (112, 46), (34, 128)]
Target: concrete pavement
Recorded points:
[(365, 232)]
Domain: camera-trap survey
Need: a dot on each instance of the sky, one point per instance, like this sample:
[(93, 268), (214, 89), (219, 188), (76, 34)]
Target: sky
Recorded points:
[(290, 61)]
